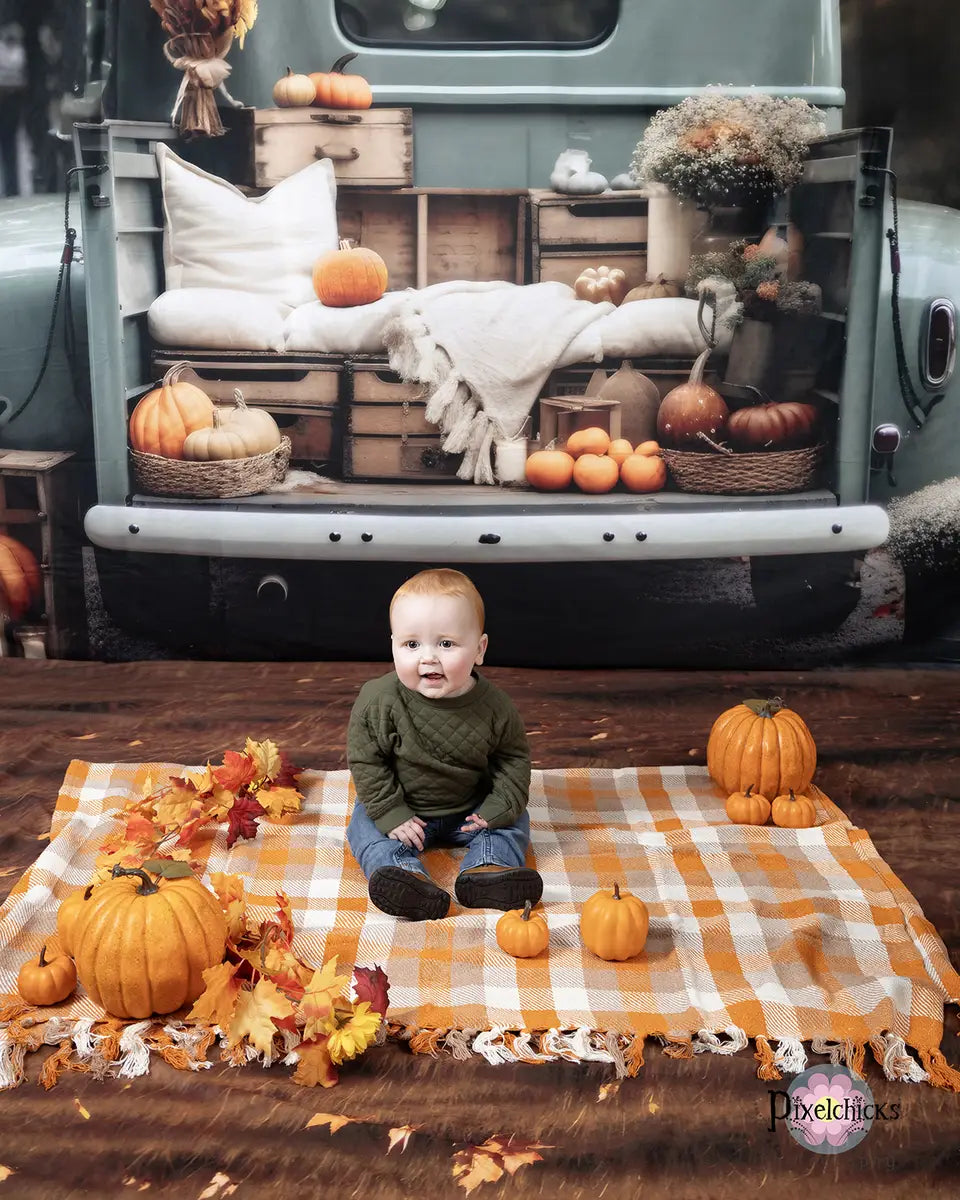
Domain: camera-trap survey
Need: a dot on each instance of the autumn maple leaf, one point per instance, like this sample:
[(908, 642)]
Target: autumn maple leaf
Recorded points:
[(314, 1065), (242, 819), (486, 1163), (174, 806), (237, 771), (288, 774), (229, 891), (318, 999), (254, 1013), (216, 1003), (266, 758), (279, 800), (371, 984)]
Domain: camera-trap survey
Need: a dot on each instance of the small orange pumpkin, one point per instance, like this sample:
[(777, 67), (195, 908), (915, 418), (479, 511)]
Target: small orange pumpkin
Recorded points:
[(620, 449), (643, 473), (748, 808), (614, 924), (595, 473), (68, 915), (164, 417), (549, 470), (333, 89), (349, 276), (648, 448), (588, 441), (794, 812), (20, 578), (45, 982), (523, 934)]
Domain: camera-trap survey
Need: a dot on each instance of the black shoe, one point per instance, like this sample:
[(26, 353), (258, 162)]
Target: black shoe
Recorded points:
[(408, 894), (504, 889)]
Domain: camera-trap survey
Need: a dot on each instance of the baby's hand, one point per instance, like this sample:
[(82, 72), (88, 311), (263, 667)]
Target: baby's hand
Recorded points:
[(410, 833), (474, 824)]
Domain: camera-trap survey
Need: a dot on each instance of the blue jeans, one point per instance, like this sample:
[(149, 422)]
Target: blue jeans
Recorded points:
[(506, 847)]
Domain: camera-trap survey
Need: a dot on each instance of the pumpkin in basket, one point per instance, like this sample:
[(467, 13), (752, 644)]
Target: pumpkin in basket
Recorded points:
[(690, 409), (614, 924), (164, 418), (763, 744), (20, 578), (333, 89), (349, 276), (773, 426), (238, 432), (141, 947)]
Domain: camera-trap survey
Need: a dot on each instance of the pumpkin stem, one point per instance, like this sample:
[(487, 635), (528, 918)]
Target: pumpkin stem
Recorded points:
[(749, 789), (616, 891), (765, 708), (338, 66), (347, 244), (792, 796), (239, 400), (526, 910), (43, 955), (147, 886), (87, 890), (696, 371), (173, 373)]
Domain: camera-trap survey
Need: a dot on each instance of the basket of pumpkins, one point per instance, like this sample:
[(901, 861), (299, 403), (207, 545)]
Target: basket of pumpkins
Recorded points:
[(182, 444), (757, 449)]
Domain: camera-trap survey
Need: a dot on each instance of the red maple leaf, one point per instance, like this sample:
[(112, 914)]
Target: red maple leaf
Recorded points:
[(371, 984), (288, 775), (236, 772), (242, 819)]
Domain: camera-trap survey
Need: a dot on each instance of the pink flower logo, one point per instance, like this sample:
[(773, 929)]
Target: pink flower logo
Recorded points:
[(830, 1110)]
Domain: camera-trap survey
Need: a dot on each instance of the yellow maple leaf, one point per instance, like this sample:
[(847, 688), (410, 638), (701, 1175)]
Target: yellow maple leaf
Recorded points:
[(254, 1013), (277, 801), (317, 1003), (127, 854), (314, 1068), (80, 1109), (608, 1089), (334, 1120), (217, 1002), (6, 1172), (220, 803), (474, 1166), (401, 1135), (278, 961), (514, 1152), (266, 756), (653, 1107), (175, 806)]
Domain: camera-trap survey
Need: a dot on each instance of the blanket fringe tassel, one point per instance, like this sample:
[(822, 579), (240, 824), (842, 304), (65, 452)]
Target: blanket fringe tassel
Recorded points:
[(108, 1047)]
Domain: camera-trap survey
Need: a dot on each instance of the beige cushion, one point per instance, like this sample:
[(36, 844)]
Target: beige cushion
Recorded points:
[(217, 319), (216, 237)]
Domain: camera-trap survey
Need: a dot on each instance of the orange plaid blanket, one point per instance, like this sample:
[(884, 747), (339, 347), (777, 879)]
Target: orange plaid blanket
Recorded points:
[(791, 938)]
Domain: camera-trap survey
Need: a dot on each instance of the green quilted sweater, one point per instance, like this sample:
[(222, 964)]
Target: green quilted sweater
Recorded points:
[(410, 755)]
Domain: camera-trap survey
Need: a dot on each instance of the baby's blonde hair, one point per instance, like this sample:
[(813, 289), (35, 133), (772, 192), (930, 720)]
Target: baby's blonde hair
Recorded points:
[(441, 581)]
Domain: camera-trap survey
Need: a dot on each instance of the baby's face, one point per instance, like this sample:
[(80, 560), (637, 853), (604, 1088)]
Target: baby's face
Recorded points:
[(436, 643)]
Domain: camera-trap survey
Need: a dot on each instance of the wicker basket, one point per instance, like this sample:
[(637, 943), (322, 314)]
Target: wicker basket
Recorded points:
[(724, 473), (217, 480)]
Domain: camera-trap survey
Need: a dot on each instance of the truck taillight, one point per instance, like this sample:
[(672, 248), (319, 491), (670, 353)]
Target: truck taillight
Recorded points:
[(938, 344)]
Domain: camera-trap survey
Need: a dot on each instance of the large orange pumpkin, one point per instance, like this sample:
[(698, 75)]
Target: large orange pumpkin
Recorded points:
[(614, 924), (333, 89), (20, 578), (349, 276), (141, 947), (164, 417), (760, 743), (549, 470)]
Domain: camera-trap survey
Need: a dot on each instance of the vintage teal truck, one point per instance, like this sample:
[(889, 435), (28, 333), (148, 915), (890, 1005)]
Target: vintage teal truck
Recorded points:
[(496, 91)]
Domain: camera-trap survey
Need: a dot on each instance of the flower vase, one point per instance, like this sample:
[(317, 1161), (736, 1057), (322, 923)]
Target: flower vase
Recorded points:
[(672, 224), (751, 355), (722, 226)]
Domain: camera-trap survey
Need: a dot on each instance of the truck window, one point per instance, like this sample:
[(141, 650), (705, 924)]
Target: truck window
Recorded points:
[(477, 24)]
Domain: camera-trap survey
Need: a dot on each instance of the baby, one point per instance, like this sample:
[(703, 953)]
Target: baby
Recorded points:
[(439, 756)]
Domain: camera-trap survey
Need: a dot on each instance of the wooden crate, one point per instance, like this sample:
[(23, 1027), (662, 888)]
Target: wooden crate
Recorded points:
[(562, 415), (387, 434), (570, 233), (302, 396), (40, 507), (431, 235), (372, 147)]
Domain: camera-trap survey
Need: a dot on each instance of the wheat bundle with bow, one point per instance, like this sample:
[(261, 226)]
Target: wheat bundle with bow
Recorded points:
[(201, 34)]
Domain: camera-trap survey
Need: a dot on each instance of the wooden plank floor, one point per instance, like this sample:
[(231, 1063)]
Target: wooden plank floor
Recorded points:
[(889, 752)]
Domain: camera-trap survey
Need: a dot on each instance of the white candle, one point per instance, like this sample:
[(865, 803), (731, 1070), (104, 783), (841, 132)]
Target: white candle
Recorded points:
[(512, 460)]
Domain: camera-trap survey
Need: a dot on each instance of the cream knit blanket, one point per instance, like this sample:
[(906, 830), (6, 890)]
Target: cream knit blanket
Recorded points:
[(484, 350)]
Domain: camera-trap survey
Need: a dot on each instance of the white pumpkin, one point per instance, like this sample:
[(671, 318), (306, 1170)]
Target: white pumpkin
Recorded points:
[(256, 426), (215, 443)]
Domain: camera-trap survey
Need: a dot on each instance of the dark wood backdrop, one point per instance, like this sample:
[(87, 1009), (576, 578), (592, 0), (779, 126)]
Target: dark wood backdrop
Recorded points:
[(888, 755)]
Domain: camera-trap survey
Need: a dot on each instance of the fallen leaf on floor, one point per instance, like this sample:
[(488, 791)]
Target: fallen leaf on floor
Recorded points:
[(9, 871), (141, 1185), (135, 742), (80, 1109), (6, 1172), (693, 753), (304, 681), (43, 837), (486, 1163), (334, 1120), (608, 1089), (596, 737), (401, 1135), (83, 737), (653, 1107), (534, 733), (218, 1186)]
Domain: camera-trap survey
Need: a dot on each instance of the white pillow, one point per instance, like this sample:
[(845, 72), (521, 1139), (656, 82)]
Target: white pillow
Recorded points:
[(217, 319), (356, 330), (216, 237)]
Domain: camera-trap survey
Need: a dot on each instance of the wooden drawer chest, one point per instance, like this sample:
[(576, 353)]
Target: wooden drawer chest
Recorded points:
[(570, 233)]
